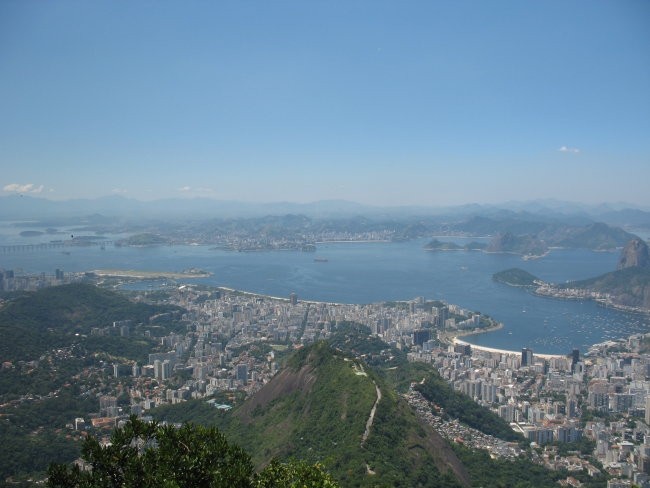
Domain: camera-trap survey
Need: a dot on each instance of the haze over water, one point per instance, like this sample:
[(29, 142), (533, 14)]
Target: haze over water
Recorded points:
[(371, 272)]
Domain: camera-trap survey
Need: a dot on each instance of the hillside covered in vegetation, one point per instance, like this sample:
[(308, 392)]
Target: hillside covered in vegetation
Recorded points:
[(35, 322), (50, 357)]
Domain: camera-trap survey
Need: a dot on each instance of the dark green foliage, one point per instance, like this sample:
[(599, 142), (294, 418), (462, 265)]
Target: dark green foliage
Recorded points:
[(393, 366), (462, 407), (195, 411), (500, 473), (515, 277), (131, 348), (520, 473), (37, 400), (36, 322), (585, 446), (33, 434), (151, 455), (35, 452), (41, 380), (322, 417), (316, 420), (355, 340), (399, 450), (295, 474)]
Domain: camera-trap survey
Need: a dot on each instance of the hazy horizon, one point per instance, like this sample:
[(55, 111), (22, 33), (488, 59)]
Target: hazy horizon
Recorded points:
[(428, 104)]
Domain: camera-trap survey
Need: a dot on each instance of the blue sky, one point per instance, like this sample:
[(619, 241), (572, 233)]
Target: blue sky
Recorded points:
[(385, 103)]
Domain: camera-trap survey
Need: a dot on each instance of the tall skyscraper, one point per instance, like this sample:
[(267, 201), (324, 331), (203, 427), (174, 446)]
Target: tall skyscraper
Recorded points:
[(443, 315), (166, 369), (293, 299), (575, 357), (242, 373), (526, 357), (420, 336), (157, 369)]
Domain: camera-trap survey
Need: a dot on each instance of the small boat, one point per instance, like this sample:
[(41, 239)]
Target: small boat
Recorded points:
[(321, 260)]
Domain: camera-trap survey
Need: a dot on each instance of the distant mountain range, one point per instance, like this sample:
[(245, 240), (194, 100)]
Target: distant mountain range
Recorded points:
[(23, 207)]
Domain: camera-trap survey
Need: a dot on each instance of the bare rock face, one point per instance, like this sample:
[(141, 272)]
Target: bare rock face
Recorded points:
[(635, 254)]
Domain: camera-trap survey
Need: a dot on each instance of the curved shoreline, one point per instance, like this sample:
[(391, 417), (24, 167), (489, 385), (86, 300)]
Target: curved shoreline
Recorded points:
[(455, 340), (284, 299), (452, 335), (448, 337)]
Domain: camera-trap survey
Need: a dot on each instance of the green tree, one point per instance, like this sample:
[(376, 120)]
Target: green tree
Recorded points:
[(296, 474), (149, 455)]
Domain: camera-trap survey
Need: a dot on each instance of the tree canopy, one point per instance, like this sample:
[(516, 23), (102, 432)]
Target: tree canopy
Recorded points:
[(152, 455)]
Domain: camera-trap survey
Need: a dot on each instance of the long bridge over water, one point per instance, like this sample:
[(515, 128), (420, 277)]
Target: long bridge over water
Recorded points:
[(52, 245)]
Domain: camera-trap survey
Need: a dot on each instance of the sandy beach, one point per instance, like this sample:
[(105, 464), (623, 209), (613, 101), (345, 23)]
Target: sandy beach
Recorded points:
[(456, 340)]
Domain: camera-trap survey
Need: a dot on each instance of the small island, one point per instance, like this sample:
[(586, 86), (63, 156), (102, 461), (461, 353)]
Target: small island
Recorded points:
[(436, 245), (517, 277)]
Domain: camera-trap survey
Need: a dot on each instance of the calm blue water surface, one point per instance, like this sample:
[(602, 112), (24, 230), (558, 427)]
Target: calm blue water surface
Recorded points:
[(372, 272)]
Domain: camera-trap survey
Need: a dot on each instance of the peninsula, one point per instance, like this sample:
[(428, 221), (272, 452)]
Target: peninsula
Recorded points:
[(627, 288)]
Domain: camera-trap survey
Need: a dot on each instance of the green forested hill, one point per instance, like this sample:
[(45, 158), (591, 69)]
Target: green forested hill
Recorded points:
[(317, 408), (392, 365), (35, 322), (38, 399)]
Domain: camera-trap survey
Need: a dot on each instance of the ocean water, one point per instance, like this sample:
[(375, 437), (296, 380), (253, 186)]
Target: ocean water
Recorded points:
[(367, 272)]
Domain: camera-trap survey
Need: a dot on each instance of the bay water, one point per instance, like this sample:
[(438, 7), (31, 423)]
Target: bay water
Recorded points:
[(367, 272)]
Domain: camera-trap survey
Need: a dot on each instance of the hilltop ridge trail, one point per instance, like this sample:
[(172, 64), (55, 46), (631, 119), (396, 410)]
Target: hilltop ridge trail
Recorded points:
[(372, 415)]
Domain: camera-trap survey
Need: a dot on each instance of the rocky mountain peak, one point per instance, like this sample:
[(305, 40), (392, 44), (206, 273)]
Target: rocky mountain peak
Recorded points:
[(635, 254)]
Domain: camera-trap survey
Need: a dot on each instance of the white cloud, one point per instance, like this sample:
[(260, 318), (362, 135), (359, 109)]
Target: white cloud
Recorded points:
[(567, 149), (28, 188), (119, 191), (200, 189)]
